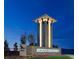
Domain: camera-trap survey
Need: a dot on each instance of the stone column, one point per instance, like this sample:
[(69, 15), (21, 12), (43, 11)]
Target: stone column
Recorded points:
[(49, 34), (40, 32)]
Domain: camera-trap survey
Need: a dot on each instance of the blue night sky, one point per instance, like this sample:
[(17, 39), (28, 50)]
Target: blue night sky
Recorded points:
[(20, 13)]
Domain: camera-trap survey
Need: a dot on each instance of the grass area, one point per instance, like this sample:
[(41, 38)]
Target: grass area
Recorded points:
[(53, 57)]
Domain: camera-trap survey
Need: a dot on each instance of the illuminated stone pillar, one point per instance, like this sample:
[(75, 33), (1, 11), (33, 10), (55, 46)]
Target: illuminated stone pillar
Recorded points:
[(40, 32), (49, 34), (45, 34)]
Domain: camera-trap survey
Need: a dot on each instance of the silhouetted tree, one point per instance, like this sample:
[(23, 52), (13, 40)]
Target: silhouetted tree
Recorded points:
[(36, 44), (6, 47), (15, 47), (55, 46), (31, 39), (23, 39)]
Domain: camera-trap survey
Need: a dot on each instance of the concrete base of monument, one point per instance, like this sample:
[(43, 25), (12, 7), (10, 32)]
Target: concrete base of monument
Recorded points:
[(37, 51), (23, 50)]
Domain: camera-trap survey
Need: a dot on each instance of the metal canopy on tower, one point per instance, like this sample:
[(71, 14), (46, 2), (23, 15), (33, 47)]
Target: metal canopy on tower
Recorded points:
[(45, 16)]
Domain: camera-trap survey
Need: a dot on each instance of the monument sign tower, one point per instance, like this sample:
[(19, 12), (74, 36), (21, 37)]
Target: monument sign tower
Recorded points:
[(44, 39), (45, 30)]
